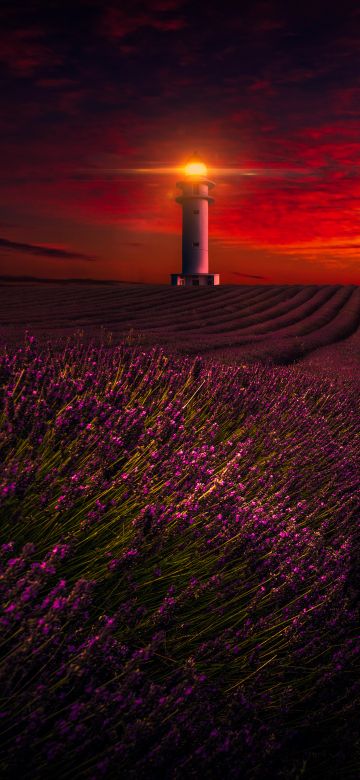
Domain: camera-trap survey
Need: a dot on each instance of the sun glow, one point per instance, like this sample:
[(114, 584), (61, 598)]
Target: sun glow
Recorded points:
[(196, 169)]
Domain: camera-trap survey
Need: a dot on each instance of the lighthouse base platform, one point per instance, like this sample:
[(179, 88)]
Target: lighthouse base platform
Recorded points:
[(194, 280)]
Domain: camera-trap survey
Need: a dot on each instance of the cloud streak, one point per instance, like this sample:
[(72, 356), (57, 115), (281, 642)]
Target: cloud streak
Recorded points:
[(54, 253), (250, 276)]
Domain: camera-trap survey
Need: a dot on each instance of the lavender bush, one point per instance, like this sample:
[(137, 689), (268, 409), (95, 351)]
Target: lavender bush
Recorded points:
[(178, 567)]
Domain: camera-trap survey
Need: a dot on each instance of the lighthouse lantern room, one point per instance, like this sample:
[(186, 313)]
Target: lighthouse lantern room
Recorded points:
[(195, 201)]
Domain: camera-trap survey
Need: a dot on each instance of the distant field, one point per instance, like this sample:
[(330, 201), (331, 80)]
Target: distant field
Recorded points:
[(316, 325)]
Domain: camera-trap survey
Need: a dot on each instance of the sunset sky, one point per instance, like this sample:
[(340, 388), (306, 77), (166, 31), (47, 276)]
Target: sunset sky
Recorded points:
[(269, 95)]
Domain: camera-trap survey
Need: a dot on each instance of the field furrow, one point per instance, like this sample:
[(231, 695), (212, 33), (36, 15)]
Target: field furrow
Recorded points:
[(295, 324), (218, 323), (214, 306), (280, 323), (287, 348), (286, 309)]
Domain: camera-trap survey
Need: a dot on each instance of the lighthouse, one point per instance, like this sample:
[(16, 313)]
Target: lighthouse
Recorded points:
[(195, 200)]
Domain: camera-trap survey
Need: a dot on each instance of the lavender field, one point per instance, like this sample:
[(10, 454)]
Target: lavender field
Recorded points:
[(179, 501), (315, 325), (179, 566)]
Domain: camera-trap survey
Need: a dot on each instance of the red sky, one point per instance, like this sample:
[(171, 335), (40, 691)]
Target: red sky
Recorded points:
[(93, 90)]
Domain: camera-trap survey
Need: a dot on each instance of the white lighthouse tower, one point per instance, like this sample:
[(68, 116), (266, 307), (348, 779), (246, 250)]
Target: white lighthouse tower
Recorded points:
[(195, 201)]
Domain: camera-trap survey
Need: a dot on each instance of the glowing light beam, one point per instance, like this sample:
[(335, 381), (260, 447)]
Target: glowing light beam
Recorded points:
[(270, 173)]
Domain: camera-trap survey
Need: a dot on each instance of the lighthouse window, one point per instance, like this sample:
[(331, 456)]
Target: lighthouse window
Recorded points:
[(195, 243), (196, 211)]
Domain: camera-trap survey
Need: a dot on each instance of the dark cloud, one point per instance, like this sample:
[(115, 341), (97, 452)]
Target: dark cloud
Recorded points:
[(43, 251), (250, 276), (340, 246), (119, 22), (132, 243), (24, 51)]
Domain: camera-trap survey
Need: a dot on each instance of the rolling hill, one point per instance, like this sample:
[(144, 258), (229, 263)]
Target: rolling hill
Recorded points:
[(316, 325)]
